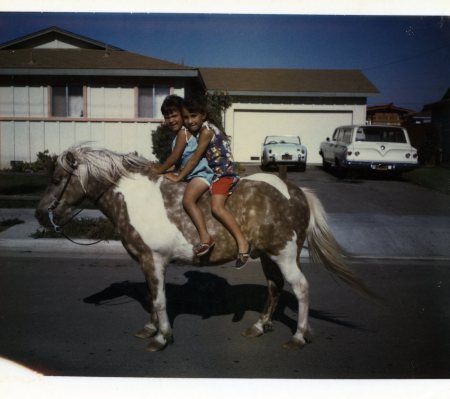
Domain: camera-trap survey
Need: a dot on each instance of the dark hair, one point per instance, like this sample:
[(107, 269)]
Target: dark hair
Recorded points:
[(171, 103), (199, 104), (196, 104)]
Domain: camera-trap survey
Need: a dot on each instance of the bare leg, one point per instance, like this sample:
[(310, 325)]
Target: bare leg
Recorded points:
[(227, 219), (194, 190)]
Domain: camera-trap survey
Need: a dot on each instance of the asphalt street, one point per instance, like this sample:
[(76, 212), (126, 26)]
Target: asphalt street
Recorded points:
[(76, 316)]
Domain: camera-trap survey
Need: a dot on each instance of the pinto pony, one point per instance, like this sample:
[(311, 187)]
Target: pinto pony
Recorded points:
[(146, 209)]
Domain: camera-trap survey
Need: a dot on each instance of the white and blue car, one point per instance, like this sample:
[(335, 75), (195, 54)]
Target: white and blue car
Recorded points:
[(373, 147), (283, 150)]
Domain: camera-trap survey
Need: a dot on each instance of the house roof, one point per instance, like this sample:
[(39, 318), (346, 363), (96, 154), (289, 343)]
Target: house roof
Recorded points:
[(53, 33), (86, 62), (389, 108), (58, 52), (287, 82)]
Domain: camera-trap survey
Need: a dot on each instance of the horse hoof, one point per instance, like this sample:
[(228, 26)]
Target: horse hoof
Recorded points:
[(294, 344), (155, 345), (252, 332), (145, 333)]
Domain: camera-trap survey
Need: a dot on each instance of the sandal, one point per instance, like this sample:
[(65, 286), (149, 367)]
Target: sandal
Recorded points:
[(243, 257), (204, 248)]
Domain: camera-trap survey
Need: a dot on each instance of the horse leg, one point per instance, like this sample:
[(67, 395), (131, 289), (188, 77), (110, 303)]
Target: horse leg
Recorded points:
[(275, 284), (289, 264), (151, 327), (158, 329)]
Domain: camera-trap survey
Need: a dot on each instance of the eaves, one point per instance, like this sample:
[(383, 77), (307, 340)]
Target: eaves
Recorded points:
[(296, 93), (99, 72)]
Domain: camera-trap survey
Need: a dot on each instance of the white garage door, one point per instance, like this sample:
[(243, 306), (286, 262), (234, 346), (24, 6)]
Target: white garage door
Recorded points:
[(251, 127)]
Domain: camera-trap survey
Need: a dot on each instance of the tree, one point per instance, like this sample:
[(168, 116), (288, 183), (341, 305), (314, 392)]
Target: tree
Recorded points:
[(218, 102), (162, 139)]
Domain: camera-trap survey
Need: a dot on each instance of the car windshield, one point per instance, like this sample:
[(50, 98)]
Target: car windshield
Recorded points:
[(377, 133), (282, 140)]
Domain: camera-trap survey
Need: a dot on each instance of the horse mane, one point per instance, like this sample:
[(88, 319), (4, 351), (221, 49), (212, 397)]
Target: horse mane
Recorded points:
[(103, 165)]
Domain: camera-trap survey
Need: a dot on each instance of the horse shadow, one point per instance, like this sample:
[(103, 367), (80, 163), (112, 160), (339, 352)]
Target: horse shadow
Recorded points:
[(207, 295)]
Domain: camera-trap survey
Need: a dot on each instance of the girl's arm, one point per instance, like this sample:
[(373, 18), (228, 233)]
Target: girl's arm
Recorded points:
[(175, 156), (204, 138)]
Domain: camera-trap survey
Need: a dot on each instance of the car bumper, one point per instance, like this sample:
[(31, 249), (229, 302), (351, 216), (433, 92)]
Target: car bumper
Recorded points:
[(274, 160), (383, 166)]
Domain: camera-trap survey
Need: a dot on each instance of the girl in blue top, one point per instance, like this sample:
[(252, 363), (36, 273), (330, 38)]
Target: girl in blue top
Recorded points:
[(199, 178)]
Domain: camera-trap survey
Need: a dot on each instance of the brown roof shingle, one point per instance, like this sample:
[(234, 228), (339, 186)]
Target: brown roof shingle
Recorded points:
[(286, 80), (82, 59)]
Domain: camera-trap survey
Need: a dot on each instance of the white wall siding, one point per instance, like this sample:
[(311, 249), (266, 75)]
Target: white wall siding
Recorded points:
[(6, 100), (22, 140)]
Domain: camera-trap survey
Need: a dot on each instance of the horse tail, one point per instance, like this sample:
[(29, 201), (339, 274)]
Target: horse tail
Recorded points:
[(324, 249)]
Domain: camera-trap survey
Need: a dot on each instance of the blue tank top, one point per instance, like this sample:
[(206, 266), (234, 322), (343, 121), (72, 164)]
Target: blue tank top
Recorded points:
[(201, 169)]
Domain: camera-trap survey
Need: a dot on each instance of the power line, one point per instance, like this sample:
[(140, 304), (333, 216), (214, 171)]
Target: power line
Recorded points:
[(406, 58)]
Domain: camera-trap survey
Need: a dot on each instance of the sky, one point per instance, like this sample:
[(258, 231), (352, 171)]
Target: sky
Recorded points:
[(406, 57)]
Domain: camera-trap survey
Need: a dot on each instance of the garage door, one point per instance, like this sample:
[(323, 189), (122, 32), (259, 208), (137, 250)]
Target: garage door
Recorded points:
[(251, 127)]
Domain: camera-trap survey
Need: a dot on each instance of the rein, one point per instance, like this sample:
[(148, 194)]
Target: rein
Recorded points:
[(59, 229)]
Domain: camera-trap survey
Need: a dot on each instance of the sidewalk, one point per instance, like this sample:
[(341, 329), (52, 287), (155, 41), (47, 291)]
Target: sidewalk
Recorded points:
[(363, 235)]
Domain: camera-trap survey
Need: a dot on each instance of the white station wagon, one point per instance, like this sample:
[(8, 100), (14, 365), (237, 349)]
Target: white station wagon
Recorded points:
[(373, 147)]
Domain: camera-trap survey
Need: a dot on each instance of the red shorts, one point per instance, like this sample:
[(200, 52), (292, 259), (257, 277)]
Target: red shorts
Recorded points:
[(224, 186)]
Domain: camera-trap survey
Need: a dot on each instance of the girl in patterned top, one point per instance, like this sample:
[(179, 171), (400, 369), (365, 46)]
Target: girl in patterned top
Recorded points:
[(214, 145)]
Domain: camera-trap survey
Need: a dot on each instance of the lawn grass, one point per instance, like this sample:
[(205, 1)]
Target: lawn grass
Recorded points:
[(22, 183), (436, 178)]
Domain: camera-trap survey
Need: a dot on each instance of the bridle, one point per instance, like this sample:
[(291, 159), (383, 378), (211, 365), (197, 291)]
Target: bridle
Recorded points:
[(59, 229), (56, 202)]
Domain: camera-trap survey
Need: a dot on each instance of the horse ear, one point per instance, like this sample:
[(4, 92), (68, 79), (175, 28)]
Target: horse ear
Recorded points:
[(70, 158)]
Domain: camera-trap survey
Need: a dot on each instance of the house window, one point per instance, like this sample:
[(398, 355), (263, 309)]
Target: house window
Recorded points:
[(150, 100), (67, 101)]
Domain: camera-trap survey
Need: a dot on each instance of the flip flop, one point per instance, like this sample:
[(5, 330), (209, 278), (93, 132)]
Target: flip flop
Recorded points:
[(203, 248), (243, 257)]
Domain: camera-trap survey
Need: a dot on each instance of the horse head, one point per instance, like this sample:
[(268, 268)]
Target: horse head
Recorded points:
[(64, 192)]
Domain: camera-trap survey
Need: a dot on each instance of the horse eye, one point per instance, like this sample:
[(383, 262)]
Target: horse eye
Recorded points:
[(56, 181)]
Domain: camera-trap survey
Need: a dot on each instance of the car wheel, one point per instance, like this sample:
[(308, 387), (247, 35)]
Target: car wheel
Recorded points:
[(325, 164), (340, 171)]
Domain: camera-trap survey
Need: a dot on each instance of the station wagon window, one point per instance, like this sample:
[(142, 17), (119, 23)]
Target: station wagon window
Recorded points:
[(337, 135), (67, 101), (386, 134), (347, 136), (150, 99)]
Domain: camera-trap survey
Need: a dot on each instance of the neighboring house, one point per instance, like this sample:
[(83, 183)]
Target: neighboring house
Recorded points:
[(440, 120), (387, 114), (307, 103), (58, 88)]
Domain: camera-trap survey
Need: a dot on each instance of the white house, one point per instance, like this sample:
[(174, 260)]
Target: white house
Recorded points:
[(58, 88), (307, 103)]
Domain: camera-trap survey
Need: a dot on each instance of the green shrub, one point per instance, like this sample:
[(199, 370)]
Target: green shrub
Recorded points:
[(162, 139), (43, 158)]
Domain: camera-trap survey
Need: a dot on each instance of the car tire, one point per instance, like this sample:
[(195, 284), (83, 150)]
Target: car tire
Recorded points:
[(341, 172)]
